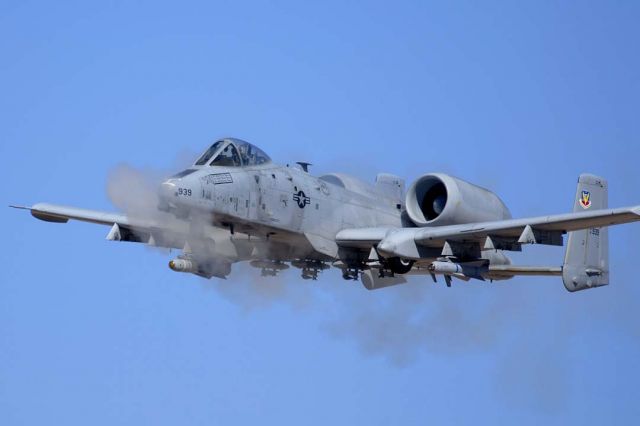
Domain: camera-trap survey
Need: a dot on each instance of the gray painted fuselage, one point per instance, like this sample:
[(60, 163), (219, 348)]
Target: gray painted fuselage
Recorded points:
[(299, 214)]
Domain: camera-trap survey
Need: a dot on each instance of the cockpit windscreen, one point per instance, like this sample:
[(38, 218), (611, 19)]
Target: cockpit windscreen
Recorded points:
[(251, 155), (233, 153), (208, 154)]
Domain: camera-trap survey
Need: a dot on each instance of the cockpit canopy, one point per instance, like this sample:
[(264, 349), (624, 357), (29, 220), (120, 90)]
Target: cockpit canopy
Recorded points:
[(232, 152)]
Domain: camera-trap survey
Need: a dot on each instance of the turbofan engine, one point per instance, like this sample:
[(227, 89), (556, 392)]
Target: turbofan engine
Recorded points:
[(437, 199)]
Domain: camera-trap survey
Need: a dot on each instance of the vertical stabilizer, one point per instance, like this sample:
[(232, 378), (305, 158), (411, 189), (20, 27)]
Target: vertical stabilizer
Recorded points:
[(586, 261)]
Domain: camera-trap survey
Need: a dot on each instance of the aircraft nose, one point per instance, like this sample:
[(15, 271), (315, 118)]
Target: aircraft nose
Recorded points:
[(168, 187), (167, 195)]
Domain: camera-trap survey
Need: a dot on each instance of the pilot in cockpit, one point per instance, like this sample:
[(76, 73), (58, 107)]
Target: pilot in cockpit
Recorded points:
[(228, 157)]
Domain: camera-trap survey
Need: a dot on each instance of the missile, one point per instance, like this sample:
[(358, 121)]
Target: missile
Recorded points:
[(183, 265), (446, 268), (460, 271)]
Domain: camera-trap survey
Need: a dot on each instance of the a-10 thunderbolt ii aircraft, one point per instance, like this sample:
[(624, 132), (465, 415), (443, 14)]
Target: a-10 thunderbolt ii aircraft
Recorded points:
[(233, 204)]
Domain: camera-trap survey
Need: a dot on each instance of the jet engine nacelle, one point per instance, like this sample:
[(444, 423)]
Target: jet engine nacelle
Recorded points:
[(437, 199)]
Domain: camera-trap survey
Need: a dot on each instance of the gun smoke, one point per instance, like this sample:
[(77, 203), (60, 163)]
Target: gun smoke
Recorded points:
[(533, 347)]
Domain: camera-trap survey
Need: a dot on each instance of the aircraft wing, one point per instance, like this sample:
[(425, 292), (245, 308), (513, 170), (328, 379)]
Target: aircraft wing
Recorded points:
[(62, 214), (163, 231), (417, 243)]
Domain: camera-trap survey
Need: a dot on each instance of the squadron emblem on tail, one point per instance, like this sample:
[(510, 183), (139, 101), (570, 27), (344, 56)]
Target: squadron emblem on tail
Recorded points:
[(585, 199)]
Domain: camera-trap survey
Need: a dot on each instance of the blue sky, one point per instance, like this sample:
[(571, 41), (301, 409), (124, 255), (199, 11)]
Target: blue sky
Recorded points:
[(519, 97)]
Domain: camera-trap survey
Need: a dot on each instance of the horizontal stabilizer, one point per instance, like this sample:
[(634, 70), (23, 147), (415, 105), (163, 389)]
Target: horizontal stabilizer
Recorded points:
[(508, 271)]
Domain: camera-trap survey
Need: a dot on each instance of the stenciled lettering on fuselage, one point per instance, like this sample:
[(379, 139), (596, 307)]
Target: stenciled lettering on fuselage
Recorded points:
[(218, 178), (301, 198)]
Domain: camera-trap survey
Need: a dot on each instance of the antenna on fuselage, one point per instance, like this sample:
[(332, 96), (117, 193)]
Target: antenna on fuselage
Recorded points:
[(304, 165)]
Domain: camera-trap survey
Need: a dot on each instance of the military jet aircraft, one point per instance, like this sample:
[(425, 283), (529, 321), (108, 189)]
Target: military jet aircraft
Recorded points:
[(234, 204)]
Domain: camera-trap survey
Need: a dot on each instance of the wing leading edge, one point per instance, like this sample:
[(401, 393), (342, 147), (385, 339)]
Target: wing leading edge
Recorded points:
[(163, 231), (62, 214), (505, 234)]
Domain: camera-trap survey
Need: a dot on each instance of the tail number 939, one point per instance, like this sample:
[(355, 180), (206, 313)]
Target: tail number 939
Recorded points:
[(185, 192)]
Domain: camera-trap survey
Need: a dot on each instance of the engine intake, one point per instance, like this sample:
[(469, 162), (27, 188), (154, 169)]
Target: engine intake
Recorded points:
[(437, 199)]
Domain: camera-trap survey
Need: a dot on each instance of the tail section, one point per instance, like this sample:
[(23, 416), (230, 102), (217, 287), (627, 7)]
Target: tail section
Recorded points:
[(586, 261)]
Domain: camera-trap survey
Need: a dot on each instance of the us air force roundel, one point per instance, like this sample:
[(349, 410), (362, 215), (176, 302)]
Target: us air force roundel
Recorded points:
[(301, 199)]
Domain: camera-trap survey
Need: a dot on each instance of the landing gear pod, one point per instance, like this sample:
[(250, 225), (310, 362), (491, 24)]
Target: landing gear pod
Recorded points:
[(372, 281)]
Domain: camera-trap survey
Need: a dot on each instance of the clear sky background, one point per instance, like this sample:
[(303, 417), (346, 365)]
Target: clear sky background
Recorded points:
[(519, 97)]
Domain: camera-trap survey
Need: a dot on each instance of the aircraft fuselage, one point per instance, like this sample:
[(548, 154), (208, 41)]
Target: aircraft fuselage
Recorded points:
[(280, 204)]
